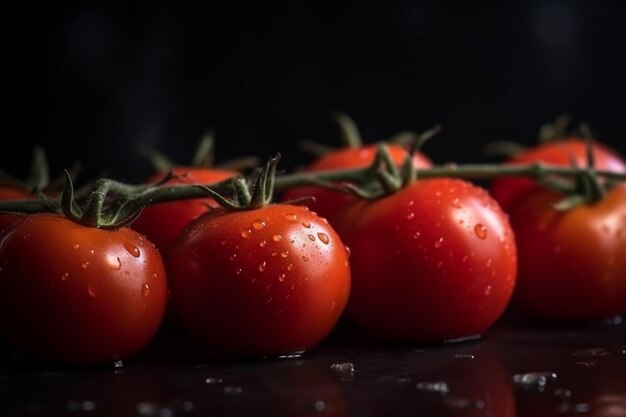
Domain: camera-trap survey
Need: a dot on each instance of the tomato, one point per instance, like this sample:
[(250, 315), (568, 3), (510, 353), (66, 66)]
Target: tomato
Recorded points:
[(506, 189), (572, 263), (76, 294), (261, 282), (162, 223), (435, 261), (328, 202), (11, 193)]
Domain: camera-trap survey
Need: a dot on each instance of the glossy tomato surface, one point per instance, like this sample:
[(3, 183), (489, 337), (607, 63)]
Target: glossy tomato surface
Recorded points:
[(432, 262), (328, 202), (77, 294), (162, 223), (506, 189), (11, 193), (259, 282), (572, 263)]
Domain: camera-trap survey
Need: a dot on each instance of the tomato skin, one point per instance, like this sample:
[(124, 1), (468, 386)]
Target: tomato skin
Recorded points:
[(328, 202), (76, 294), (506, 189), (262, 282), (573, 263), (433, 262), (162, 223)]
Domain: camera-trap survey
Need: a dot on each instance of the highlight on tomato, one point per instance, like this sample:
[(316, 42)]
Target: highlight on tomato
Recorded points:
[(355, 154), (433, 261), (259, 279)]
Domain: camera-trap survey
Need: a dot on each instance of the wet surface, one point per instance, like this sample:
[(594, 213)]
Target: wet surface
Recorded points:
[(517, 369)]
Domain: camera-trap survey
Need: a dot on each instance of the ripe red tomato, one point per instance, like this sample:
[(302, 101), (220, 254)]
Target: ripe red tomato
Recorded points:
[(572, 263), (328, 202), (76, 294), (506, 189), (162, 223), (261, 282), (432, 262)]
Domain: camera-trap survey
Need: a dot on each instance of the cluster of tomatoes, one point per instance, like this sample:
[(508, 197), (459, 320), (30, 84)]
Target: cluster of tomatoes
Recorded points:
[(438, 259)]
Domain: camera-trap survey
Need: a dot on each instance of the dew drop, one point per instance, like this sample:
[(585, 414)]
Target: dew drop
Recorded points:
[(281, 277), (323, 237), (245, 233), (437, 387), (306, 224), (464, 356), (132, 249), (274, 253), (488, 290), (145, 290), (305, 259), (213, 381), (410, 215), (92, 292), (238, 271), (438, 243), (289, 267), (85, 265), (489, 262), (277, 238), (284, 254), (480, 230), (93, 252), (233, 256), (416, 235), (343, 367), (262, 266), (76, 246), (65, 276), (456, 203), (258, 224), (290, 217), (263, 243), (311, 237), (533, 381), (348, 251)]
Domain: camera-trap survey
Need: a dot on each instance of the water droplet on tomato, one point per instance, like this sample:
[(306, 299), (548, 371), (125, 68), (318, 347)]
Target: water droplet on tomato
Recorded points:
[(85, 265), (480, 230), (456, 203), (65, 276), (145, 290), (410, 215), (305, 259), (438, 387), (488, 290), (263, 243), (277, 238), (274, 253), (132, 249), (245, 233), (348, 251), (281, 277), (323, 237), (262, 266), (306, 224), (76, 246), (489, 262), (238, 271), (92, 292), (290, 217), (258, 224), (93, 252), (311, 237), (438, 243), (233, 256), (416, 235), (284, 254), (533, 381), (464, 356), (289, 267)]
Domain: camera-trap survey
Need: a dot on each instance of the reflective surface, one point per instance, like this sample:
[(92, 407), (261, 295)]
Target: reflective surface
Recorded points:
[(517, 369)]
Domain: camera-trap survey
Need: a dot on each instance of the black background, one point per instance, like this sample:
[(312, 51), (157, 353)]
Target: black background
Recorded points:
[(94, 82)]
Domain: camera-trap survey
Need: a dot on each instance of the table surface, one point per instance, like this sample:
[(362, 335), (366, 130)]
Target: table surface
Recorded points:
[(518, 368)]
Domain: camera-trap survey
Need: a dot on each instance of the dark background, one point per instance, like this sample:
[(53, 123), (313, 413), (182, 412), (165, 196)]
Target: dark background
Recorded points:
[(94, 82)]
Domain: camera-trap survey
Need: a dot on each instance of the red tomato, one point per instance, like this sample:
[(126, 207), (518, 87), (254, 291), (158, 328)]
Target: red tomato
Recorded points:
[(432, 262), (328, 202), (572, 263), (11, 193), (77, 294), (506, 189), (162, 223), (261, 282)]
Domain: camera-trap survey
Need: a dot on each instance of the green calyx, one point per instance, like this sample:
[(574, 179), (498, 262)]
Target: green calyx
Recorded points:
[(248, 195)]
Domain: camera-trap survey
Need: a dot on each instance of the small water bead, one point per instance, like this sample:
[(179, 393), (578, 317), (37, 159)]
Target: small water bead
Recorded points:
[(291, 217), (306, 224), (93, 252), (118, 364), (262, 266), (464, 356), (258, 224), (281, 277), (437, 387), (65, 276), (410, 216), (305, 259), (145, 290), (311, 237), (263, 243), (76, 246), (132, 249), (245, 233), (284, 254), (534, 380), (488, 290), (238, 271), (481, 231), (213, 381), (289, 267), (277, 238), (85, 265), (342, 367), (456, 203), (323, 237), (114, 262), (92, 292), (438, 243)]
